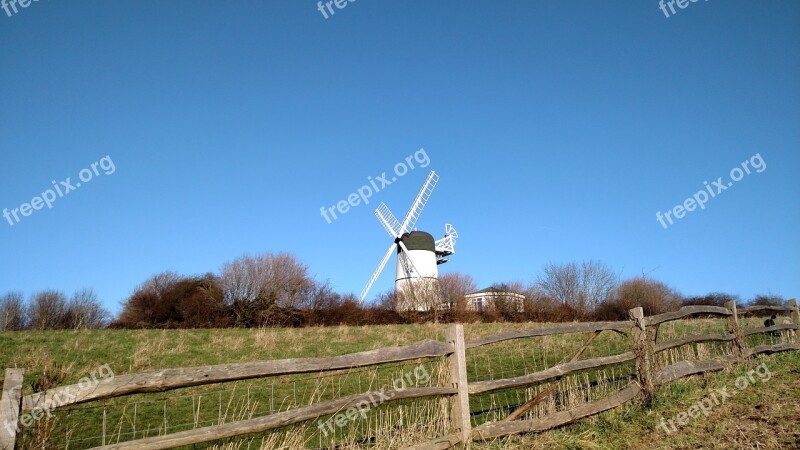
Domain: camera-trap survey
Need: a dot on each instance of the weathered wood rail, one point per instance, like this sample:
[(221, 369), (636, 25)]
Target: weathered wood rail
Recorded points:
[(583, 327), (558, 371), (641, 331), (170, 379), (779, 308), (271, 422)]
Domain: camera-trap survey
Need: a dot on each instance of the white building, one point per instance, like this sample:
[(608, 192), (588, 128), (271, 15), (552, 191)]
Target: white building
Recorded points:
[(487, 299)]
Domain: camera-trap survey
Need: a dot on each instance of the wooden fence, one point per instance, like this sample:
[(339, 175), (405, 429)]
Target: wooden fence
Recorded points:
[(642, 333)]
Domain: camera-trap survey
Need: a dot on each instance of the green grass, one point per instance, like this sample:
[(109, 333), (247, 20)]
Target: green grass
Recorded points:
[(63, 357), (763, 416)]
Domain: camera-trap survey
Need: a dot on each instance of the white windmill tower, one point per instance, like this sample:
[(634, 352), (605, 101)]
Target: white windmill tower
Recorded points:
[(418, 255)]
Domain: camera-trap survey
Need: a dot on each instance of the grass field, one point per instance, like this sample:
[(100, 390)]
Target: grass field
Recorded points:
[(764, 416)]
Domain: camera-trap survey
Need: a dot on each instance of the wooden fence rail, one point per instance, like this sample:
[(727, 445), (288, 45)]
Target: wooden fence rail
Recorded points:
[(583, 327), (271, 422), (169, 379), (752, 309), (558, 371), (641, 330)]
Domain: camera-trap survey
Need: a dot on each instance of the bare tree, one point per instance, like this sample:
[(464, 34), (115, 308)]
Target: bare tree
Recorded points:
[(423, 295), (597, 283), (241, 280), (253, 285), (560, 282), (12, 312), (85, 312), (581, 287), (455, 286), (291, 285), (276, 278), (47, 310)]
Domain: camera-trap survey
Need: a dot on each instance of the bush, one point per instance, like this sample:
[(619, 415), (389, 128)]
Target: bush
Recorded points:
[(712, 299), (13, 315), (169, 301), (583, 287), (47, 310), (767, 300), (653, 296), (84, 311)]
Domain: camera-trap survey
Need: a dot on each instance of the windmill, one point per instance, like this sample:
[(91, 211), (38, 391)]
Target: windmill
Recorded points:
[(418, 254)]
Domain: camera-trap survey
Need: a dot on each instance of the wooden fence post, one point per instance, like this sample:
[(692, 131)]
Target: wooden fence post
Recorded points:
[(733, 328), (10, 405), (643, 348), (459, 405), (795, 319)]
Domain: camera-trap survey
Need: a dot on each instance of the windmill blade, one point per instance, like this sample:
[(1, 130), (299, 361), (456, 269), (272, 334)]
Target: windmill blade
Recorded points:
[(377, 273), (388, 220), (419, 203)]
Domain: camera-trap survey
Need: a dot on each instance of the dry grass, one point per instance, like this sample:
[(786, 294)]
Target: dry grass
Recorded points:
[(72, 355)]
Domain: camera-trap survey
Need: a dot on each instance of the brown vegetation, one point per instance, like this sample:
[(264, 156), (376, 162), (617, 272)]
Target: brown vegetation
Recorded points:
[(277, 290), (50, 310)]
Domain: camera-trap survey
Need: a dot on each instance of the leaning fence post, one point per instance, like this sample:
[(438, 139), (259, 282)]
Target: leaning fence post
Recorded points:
[(459, 405), (10, 404), (733, 328), (643, 349)]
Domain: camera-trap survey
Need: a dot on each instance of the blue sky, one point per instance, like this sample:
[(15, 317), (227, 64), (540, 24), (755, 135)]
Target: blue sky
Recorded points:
[(559, 129)]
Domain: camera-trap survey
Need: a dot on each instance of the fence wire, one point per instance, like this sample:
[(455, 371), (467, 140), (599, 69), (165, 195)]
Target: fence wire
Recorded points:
[(392, 425)]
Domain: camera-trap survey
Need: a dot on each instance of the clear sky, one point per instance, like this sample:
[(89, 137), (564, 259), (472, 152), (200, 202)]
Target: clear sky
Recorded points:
[(558, 128)]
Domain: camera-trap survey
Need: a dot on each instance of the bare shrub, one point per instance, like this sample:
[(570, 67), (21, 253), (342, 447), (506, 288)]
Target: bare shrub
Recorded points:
[(540, 307), (455, 286), (252, 285), (653, 296), (712, 299), (767, 300), (581, 287), (84, 311), (322, 302), (13, 315), (47, 310), (423, 295)]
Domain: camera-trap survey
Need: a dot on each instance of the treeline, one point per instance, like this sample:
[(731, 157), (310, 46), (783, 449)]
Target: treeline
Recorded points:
[(252, 291), (277, 290), (52, 310)]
